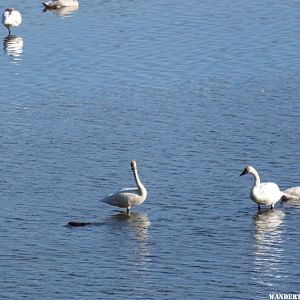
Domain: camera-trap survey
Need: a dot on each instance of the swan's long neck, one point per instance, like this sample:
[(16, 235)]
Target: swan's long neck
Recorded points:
[(138, 182), (256, 177)]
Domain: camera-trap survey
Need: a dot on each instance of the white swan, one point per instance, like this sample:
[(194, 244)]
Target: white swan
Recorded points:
[(128, 197), (60, 3), (11, 18), (291, 194), (267, 193)]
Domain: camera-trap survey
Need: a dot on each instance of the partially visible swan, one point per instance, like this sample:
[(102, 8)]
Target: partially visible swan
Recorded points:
[(267, 193), (62, 11), (128, 197), (291, 194), (60, 3), (11, 18)]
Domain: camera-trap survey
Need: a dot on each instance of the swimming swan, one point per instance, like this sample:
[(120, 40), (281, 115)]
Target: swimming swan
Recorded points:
[(11, 18), (267, 193), (291, 194), (128, 197), (60, 3)]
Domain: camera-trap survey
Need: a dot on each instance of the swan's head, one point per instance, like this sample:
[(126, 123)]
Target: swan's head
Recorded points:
[(248, 170), (133, 164), (7, 12)]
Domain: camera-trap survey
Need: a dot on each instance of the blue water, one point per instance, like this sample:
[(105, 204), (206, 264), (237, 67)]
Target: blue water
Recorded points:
[(193, 92)]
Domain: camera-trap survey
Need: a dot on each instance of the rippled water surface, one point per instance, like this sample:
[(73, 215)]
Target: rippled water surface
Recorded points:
[(193, 91)]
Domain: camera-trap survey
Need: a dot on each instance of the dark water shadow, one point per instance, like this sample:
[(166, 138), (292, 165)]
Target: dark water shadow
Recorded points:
[(83, 223)]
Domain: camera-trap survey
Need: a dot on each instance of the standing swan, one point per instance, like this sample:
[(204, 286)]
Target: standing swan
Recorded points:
[(266, 193), (128, 197), (11, 18)]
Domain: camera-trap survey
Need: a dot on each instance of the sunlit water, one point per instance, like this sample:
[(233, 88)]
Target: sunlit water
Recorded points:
[(192, 91)]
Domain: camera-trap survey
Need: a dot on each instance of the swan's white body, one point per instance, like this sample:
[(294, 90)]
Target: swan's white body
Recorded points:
[(128, 197), (266, 193), (291, 194), (61, 3), (11, 18)]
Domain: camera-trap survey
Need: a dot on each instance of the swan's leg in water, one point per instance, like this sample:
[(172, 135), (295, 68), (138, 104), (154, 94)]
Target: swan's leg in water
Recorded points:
[(258, 207), (272, 206), (128, 210)]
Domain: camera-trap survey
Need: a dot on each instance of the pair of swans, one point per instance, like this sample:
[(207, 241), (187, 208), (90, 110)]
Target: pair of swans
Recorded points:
[(12, 17), (262, 193), (268, 193)]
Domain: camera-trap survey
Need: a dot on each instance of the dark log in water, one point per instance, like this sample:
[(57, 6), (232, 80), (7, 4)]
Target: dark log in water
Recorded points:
[(78, 224)]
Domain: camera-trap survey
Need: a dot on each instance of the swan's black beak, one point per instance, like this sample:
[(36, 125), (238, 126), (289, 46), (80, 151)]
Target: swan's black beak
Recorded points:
[(244, 172)]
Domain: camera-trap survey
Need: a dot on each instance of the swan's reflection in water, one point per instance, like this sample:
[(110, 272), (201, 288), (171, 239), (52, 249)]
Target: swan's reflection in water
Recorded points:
[(62, 11), (134, 223), (13, 47), (268, 246), (133, 226)]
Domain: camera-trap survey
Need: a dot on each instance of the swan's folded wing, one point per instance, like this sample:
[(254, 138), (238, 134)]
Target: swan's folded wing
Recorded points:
[(123, 198), (270, 191)]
